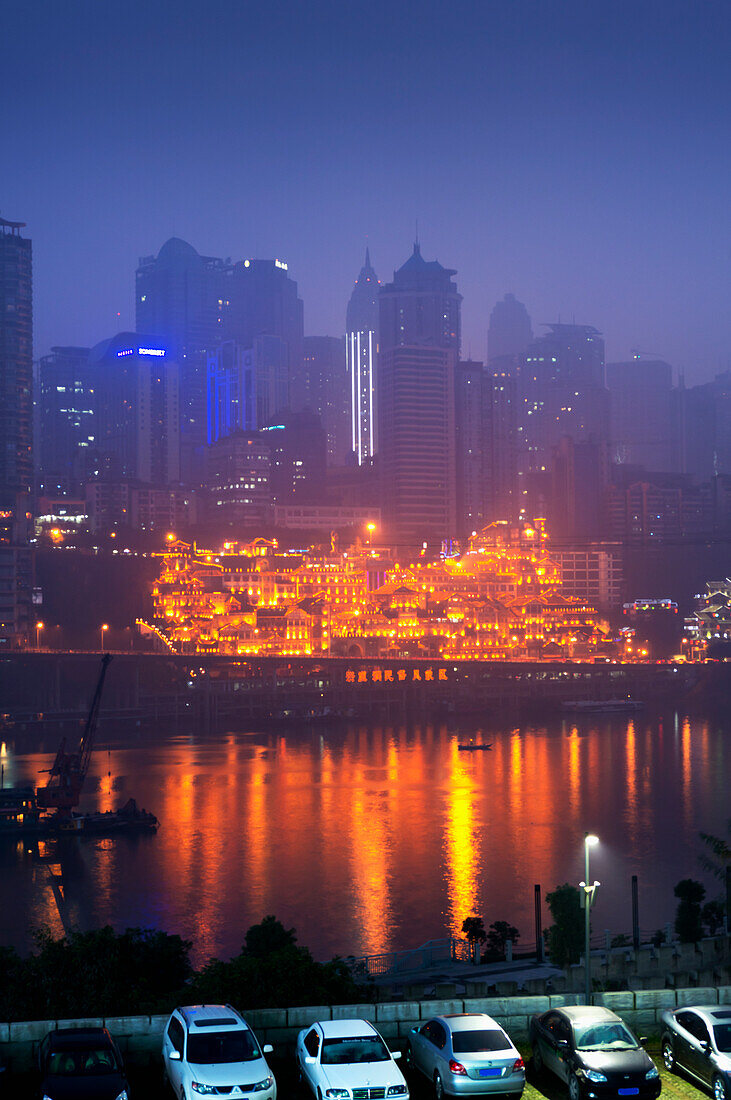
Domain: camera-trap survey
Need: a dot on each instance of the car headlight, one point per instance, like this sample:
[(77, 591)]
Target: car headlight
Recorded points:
[(260, 1086), (396, 1090), (124, 1095), (651, 1074), (594, 1075), (207, 1090), (337, 1094)]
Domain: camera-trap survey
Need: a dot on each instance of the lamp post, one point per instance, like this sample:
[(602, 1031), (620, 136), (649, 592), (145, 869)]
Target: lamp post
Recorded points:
[(370, 528), (587, 900), (39, 628), (102, 628)]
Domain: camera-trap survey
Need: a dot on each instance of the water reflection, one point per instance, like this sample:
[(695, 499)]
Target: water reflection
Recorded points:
[(370, 837)]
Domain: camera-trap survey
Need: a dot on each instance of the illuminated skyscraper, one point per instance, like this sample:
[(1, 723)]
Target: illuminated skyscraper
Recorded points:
[(361, 327), (419, 342)]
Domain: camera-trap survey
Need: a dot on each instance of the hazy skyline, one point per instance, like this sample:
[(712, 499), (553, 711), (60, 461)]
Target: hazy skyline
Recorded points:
[(574, 154)]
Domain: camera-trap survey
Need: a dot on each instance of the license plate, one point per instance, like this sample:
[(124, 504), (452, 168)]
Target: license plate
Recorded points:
[(628, 1092), (490, 1072)]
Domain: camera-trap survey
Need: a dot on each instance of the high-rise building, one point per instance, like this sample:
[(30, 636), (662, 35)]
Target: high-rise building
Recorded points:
[(66, 409), (510, 331), (16, 433), (136, 383), (181, 297), (298, 447), (247, 387), (239, 478), (707, 428), (361, 344), (561, 393), (473, 446), (419, 340), (327, 392), (16, 362), (640, 414), (421, 307), (262, 300)]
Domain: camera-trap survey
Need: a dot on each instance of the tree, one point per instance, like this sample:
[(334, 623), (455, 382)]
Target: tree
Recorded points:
[(272, 971), (712, 915), (268, 936), (474, 930), (565, 938), (688, 916), (717, 856), (499, 932)]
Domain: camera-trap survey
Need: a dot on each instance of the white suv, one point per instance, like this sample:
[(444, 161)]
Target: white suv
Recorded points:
[(210, 1050)]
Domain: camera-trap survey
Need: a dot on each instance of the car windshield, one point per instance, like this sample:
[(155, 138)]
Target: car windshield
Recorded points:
[(474, 1042), (722, 1035), (614, 1036), (87, 1062), (222, 1046), (346, 1051)]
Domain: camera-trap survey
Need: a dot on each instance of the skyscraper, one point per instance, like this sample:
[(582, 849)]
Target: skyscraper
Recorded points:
[(640, 413), (16, 362), (328, 392), (418, 353), (561, 393), (16, 432), (67, 405), (510, 331), (262, 300), (138, 413), (361, 347), (181, 297)]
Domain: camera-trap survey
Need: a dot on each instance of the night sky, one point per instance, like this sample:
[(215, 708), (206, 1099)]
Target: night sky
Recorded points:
[(576, 154)]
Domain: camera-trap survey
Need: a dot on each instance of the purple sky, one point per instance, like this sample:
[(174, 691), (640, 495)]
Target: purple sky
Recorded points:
[(576, 154)]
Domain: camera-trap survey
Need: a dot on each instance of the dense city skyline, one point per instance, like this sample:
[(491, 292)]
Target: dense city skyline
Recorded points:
[(578, 160)]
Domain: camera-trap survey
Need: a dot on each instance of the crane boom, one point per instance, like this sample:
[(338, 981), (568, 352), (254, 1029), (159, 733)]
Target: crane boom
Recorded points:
[(68, 772)]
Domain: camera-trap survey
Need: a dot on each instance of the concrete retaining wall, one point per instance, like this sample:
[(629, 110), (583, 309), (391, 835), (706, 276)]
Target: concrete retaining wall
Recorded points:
[(140, 1037)]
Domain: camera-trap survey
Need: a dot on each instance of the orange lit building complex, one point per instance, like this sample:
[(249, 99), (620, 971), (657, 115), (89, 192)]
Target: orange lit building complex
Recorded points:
[(499, 599)]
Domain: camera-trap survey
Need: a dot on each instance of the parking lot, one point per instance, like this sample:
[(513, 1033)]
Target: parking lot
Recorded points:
[(147, 1083)]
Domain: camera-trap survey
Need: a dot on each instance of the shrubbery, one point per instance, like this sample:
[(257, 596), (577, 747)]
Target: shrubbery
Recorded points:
[(141, 971)]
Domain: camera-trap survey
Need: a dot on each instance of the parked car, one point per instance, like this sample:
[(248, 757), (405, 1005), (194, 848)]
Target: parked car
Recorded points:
[(698, 1040), (594, 1052), (210, 1050), (466, 1054), (347, 1060), (81, 1063)]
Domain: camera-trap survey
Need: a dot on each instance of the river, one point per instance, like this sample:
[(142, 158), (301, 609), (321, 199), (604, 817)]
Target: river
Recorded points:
[(369, 838)]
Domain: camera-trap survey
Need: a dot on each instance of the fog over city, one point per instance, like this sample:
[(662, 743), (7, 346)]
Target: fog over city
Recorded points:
[(574, 154)]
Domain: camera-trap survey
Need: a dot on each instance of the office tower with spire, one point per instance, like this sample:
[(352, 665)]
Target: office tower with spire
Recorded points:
[(419, 342), (16, 432), (361, 349)]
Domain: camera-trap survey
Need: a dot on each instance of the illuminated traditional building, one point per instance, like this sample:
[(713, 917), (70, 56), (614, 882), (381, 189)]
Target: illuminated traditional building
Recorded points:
[(501, 599)]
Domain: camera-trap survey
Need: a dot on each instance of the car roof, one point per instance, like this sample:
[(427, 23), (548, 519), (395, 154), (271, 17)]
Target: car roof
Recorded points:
[(345, 1029), (72, 1036), (468, 1021), (582, 1014), (220, 1017), (712, 1013)]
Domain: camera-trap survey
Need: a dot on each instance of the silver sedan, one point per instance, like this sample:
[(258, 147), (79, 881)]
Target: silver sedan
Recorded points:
[(466, 1054)]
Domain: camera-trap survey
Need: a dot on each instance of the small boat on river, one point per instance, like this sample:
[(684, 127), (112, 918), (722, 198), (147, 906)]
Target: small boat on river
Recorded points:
[(471, 746)]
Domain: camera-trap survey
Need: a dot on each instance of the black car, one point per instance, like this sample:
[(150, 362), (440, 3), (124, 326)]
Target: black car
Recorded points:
[(698, 1040), (594, 1052), (81, 1063)]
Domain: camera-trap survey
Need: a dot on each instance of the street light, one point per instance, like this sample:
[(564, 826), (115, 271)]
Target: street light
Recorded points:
[(370, 528), (102, 628), (39, 628), (588, 897)]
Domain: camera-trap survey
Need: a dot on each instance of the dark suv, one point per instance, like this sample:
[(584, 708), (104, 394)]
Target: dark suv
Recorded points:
[(81, 1063)]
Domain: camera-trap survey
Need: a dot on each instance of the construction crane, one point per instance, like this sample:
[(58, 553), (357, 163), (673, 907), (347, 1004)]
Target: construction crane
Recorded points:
[(66, 777)]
